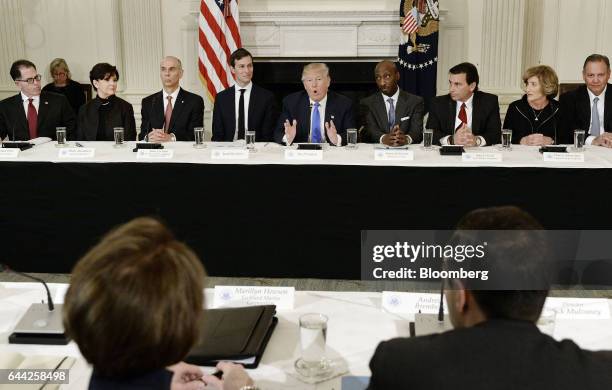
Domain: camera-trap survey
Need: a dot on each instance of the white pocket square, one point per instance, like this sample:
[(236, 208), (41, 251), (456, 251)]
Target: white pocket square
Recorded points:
[(404, 118)]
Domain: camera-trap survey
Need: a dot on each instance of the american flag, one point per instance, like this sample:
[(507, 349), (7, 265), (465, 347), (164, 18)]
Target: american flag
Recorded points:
[(410, 23), (219, 36)]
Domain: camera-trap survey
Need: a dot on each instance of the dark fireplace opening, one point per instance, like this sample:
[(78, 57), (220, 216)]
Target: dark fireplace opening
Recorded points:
[(354, 80)]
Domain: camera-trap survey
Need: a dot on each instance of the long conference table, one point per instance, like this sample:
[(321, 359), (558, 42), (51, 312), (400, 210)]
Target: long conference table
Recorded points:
[(272, 217), (357, 323)]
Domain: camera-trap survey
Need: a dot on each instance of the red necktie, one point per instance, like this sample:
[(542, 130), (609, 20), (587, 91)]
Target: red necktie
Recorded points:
[(168, 114), (463, 115), (32, 120)]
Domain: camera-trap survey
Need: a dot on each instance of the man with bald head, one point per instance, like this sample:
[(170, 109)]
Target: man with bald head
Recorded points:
[(315, 115), (172, 113), (392, 117)]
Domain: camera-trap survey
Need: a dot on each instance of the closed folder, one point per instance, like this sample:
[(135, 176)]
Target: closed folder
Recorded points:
[(234, 334)]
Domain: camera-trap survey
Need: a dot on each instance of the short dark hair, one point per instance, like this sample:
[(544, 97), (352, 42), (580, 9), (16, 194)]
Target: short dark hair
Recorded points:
[(102, 71), (135, 300), (510, 304), (470, 70), (16, 68), (238, 55), (596, 58)]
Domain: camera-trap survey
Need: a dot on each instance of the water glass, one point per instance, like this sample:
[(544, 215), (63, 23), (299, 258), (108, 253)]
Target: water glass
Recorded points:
[(249, 138), (428, 139), (118, 134), (313, 335), (60, 136), (506, 139), (198, 136), (351, 138), (579, 136)]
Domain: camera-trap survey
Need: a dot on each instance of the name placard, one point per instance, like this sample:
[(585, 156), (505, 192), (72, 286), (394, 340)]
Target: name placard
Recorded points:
[(579, 308), (393, 155), (70, 153), (229, 154), (411, 303), (304, 155), (563, 157), (9, 153), (155, 154), (481, 157), (237, 296)]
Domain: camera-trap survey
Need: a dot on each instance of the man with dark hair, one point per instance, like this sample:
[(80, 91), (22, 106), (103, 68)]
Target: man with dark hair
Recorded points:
[(33, 113), (392, 117), (496, 343), (466, 116), (244, 106), (172, 113), (589, 107)]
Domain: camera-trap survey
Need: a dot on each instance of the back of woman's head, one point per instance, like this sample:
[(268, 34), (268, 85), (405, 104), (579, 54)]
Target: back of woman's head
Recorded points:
[(135, 300)]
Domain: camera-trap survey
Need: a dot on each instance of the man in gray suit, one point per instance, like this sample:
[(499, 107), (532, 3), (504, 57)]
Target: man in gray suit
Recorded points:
[(392, 117)]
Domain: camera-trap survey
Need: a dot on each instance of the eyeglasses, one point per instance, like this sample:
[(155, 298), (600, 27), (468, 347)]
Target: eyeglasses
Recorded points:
[(60, 74), (31, 79)]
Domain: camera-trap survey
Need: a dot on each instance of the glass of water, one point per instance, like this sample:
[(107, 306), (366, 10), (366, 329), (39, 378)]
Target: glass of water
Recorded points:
[(428, 139), (351, 138), (198, 136), (118, 134), (506, 139), (313, 335), (249, 138), (579, 136), (60, 136)]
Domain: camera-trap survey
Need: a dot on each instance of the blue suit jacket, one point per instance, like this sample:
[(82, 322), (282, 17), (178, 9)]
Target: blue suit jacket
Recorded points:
[(296, 106), (262, 114)]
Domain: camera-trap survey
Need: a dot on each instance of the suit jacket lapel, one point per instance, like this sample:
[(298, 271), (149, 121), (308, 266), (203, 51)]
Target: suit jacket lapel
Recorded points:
[(43, 109), (21, 119), (475, 112), (380, 111), (452, 113), (251, 108), (584, 109), (304, 115), (402, 107), (177, 109), (608, 108)]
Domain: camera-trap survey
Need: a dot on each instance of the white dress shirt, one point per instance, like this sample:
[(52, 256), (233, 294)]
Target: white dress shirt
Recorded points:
[(469, 110), (247, 98), (600, 109), (26, 102)]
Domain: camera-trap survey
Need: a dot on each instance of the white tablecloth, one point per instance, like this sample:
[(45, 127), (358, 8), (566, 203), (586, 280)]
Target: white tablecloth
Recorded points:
[(356, 325), (271, 153)]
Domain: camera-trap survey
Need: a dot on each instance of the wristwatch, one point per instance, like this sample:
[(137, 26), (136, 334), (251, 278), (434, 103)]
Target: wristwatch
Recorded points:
[(478, 141)]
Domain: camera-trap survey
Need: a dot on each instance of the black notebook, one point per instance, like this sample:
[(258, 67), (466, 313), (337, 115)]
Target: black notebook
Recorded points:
[(234, 334)]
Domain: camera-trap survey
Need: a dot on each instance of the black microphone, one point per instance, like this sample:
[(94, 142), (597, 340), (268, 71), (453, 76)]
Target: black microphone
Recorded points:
[(5, 268), (14, 144)]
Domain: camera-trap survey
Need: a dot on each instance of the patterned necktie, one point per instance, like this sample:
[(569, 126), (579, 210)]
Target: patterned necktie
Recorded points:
[(595, 124), (315, 135), (168, 114), (463, 116), (391, 114), (241, 115), (32, 120)]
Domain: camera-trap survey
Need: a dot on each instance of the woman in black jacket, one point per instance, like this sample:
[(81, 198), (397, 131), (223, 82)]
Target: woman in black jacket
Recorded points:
[(534, 118), (98, 117)]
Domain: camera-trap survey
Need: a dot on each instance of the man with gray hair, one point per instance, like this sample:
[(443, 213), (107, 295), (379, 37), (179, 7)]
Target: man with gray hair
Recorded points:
[(172, 113), (315, 115)]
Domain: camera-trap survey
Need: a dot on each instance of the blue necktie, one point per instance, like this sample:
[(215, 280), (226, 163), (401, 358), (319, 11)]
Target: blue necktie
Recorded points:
[(391, 115), (595, 124), (315, 135)]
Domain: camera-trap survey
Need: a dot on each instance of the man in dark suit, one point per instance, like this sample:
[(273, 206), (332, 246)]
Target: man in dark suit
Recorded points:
[(589, 107), (392, 117), (244, 106), (496, 343), (466, 116), (172, 113), (32, 113), (315, 115)]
